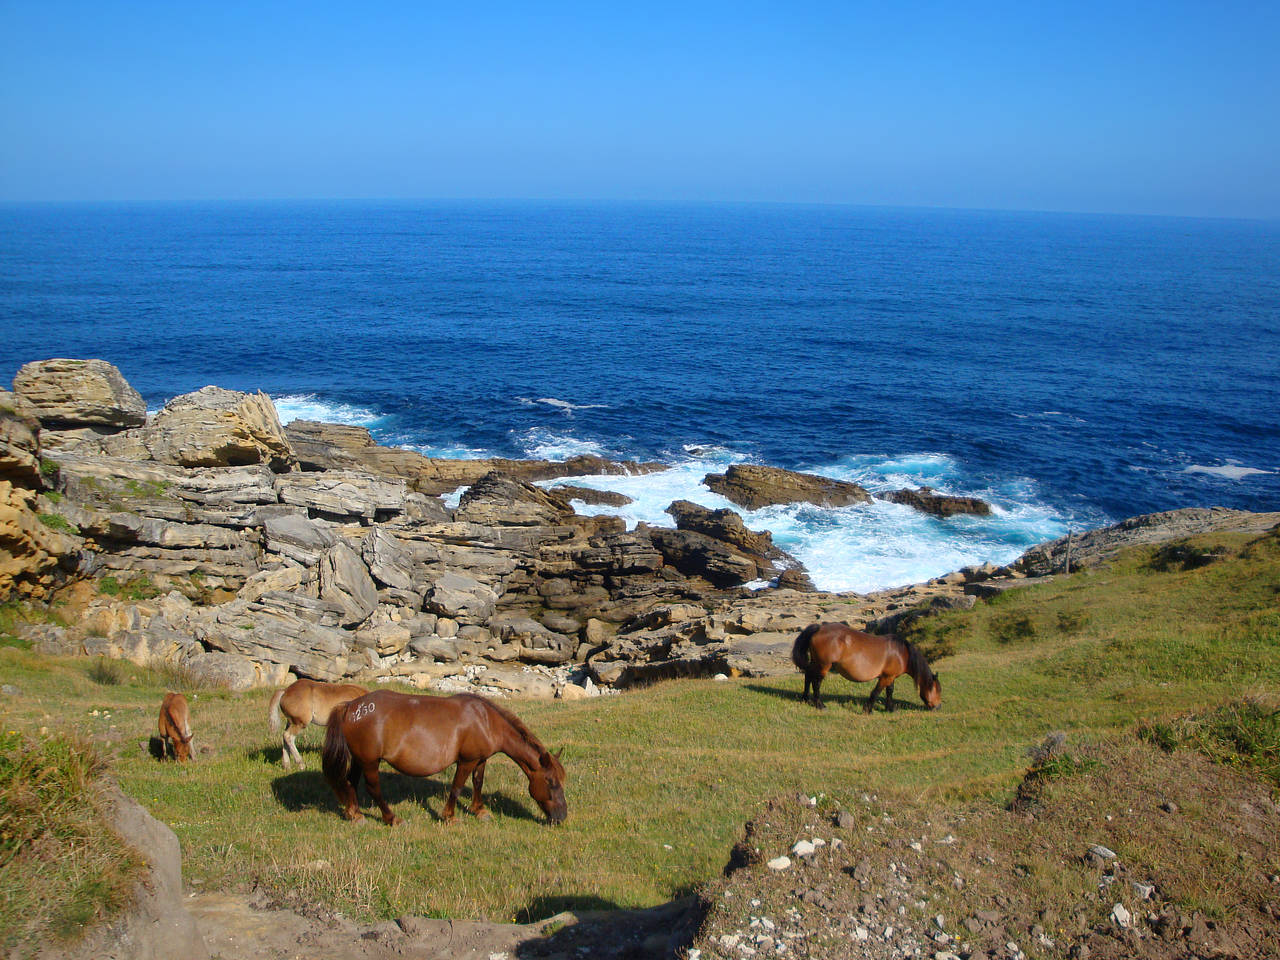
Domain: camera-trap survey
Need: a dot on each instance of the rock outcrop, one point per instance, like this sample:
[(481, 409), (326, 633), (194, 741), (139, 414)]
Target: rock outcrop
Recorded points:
[(1094, 547), (31, 547), (753, 486), (78, 393), (214, 427)]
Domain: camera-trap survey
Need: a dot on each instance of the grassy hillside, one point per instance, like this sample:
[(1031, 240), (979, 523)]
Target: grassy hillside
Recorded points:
[(661, 780)]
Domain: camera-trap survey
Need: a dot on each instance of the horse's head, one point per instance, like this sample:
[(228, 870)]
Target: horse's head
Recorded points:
[(182, 749), (546, 786), (931, 693)]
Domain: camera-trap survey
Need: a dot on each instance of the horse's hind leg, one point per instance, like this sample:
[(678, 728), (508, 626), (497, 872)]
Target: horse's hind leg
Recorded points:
[(375, 791), (477, 799), (349, 794), (460, 775), (291, 746), (888, 698), (814, 678)]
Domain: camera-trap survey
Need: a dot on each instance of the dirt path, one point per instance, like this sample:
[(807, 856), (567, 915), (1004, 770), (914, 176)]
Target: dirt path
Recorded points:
[(243, 927)]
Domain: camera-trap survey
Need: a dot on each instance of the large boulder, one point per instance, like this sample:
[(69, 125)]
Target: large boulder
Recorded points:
[(343, 494), (76, 393), (753, 486), (214, 427), (460, 597), (728, 527)]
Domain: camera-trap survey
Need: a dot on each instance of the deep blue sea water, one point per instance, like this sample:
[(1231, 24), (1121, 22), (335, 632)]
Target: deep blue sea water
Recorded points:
[(1071, 369)]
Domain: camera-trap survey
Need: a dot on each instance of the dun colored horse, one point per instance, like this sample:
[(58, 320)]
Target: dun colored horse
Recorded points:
[(421, 736), (859, 657), (304, 702), (175, 727)]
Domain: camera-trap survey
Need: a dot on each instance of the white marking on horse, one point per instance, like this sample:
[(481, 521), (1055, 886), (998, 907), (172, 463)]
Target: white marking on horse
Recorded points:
[(362, 711)]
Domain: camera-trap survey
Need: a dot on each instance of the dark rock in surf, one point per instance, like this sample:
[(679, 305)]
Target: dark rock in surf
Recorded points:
[(753, 486)]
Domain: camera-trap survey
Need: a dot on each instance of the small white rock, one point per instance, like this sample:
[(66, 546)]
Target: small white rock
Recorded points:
[(779, 863), (721, 676), (860, 933), (1120, 915), (1102, 853), (1144, 890), (803, 848)]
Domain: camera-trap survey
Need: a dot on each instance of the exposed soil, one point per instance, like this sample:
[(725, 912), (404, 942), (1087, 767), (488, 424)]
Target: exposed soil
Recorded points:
[(249, 927), (1118, 851)]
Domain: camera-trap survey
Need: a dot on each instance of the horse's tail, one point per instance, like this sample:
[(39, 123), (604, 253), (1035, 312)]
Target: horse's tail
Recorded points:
[(800, 649), (273, 711), (336, 755)]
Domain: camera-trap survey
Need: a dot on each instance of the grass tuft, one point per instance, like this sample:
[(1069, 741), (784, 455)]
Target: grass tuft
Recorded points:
[(52, 828)]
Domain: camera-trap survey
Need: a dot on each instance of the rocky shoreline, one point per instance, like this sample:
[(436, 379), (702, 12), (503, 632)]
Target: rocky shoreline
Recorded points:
[(210, 538)]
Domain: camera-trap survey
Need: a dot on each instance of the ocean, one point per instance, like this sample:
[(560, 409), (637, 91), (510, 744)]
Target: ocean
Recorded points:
[(1072, 370)]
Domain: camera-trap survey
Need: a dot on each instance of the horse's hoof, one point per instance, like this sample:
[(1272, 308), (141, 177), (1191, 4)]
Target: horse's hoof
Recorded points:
[(394, 822), (357, 818), (484, 816)]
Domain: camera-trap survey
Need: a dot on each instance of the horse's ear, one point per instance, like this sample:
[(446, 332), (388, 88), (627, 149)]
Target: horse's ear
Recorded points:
[(558, 753)]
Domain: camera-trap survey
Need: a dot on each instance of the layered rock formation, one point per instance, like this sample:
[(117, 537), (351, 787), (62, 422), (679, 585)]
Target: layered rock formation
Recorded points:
[(210, 539)]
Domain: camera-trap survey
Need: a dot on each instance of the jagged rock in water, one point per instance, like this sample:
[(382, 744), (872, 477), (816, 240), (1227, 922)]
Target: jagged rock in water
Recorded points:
[(728, 527), (64, 393), (499, 500), (940, 505), (591, 496), (753, 486), (213, 427), (696, 554)]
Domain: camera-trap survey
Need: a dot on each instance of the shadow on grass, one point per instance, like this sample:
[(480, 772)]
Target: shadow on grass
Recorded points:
[(853, 700), (602, 928), (308, 790)]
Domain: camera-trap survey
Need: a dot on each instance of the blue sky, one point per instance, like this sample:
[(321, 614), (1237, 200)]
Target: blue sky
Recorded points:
[(1165, 108)]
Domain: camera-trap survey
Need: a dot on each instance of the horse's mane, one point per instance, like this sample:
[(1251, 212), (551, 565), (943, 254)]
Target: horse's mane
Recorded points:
[(516, 723), (917, 665)]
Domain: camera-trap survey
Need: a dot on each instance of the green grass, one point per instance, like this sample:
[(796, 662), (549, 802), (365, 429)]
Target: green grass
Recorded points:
[(661, 780), (138, 588), (56, 521), (61, 866)]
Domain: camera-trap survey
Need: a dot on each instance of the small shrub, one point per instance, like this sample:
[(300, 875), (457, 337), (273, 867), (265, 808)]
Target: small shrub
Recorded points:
[(140, 588), (56, 521), (1011, 627), (109, 586), (48, 468), (106, 672), (1243, 733), (1072, 621), (53, 496)]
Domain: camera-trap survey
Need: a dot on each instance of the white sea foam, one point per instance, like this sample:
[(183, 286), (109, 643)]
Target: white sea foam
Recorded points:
[(1231, 470), (865, 547), (307, 406), (543, 444), (559, 404)]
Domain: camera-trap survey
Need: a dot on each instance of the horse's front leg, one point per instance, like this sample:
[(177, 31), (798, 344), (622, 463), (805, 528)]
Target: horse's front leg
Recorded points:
[(375, 791), (888, 698), (477, 800), (460, 774), (875, 692)]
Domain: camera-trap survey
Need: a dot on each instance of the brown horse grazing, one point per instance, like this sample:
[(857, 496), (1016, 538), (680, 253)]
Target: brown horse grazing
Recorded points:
[(421, 736), (858, 656), (304, 702), (175, 727)]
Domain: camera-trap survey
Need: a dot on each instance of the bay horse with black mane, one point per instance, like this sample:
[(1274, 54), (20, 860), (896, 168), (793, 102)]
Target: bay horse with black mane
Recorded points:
[(421, 736), (859, 657)]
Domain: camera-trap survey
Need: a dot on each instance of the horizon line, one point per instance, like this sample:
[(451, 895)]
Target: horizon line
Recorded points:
[(616, 201)]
